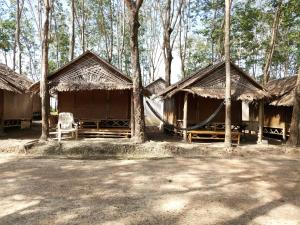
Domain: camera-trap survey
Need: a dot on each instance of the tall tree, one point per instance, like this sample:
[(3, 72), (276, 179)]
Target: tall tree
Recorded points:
[(228, 77), (169, 16), (183, 33), (269, 55), (266, 69), (72, 36), (17, 43), (44, 82), (139, 120), (294, 129)]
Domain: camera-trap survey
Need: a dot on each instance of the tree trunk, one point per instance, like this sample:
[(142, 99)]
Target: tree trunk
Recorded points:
[(268, 62), (111, 17), (17, 44), (139, 119), (294, 129), (72, 37), (18, 36), (83, 27), (169, 22), (167, 58), (183, 33), (5, 57), (228, 78), (44, 82)]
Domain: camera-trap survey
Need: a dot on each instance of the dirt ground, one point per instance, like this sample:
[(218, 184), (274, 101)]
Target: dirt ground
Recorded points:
[(204, 190)]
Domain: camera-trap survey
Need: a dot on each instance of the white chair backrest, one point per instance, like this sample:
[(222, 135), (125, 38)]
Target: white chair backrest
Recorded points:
[(66, 120)]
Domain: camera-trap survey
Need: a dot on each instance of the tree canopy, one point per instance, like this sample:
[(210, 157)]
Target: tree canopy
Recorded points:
[(197, 36)]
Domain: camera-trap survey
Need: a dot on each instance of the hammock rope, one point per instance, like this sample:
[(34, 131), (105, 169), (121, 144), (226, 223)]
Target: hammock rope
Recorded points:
[(198, 125)]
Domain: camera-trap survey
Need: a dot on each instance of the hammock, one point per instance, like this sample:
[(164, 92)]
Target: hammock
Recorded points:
[(198, 125)]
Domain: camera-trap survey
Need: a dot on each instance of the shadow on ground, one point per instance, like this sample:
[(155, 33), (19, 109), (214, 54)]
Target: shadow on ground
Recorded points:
[(170, 191)]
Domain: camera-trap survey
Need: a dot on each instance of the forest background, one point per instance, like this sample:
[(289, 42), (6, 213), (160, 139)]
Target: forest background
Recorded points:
[(196, 35)]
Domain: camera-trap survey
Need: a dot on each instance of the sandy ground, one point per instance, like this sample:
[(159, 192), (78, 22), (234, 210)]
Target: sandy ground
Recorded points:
[(204, 190)]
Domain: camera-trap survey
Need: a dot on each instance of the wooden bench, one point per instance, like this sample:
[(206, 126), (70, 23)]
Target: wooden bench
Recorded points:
[(117, 128), (105, 132), (212, 135)]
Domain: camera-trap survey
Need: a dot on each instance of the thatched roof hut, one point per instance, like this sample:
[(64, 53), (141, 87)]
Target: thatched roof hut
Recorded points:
[(278, 109), (97, 93), (16, 102), (196, 97), (281, 91), (156, 86), (209, 82)]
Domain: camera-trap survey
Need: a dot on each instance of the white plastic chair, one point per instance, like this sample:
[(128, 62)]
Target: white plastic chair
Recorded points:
[(66, 125)]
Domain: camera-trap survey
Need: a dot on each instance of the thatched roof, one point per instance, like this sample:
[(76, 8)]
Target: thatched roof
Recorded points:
[(12, 81), (282, 91), (210, 82), (87, 72), (156, 86)]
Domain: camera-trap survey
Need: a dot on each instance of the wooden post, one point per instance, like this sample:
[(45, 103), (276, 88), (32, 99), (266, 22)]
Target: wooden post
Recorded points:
[(1, 127), (260, 122), (185, 108), (132, 115), (284, 132)]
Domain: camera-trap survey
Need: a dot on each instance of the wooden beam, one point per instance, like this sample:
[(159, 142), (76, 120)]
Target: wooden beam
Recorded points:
[(185, 109), (260, 122)]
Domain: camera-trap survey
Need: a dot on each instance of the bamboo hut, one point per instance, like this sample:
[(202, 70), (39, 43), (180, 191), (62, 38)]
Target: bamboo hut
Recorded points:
[(97, 93), (153, 89), (278, 109), (196, 97), (16, 102)]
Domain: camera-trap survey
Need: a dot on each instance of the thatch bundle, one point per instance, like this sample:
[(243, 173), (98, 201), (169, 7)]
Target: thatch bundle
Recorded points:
[(79, 86), (282, 91), (209, 82), (12, 81)]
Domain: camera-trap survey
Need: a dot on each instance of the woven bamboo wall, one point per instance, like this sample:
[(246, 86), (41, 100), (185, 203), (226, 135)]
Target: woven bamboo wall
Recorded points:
[(36, 103), (200, 109), (169, 110), (275, 116), (96, 104), (17, 106)]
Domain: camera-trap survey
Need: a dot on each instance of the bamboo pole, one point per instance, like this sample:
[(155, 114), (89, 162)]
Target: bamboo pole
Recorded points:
[(132, 115), (260, 122), (185, 108)]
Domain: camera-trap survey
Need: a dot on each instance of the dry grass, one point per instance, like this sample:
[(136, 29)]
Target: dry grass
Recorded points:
[(252, 191)]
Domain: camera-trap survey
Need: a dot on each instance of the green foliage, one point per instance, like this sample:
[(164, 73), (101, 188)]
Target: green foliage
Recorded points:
[(7, 29)]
